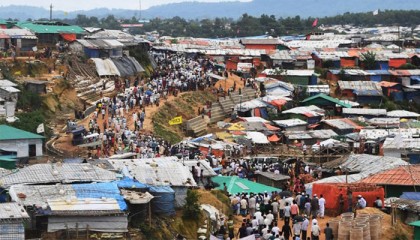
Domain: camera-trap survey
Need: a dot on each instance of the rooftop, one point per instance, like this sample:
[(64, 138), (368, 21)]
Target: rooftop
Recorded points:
[(50, 27), (401, 176), (11, 133), (12, 212), (57, 173), (328, 98)]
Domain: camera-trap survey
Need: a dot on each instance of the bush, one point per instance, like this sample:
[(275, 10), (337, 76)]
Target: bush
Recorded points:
[(192, 207)]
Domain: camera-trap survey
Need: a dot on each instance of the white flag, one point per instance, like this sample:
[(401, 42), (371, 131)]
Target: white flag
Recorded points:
[(40, 128), (376, 12)]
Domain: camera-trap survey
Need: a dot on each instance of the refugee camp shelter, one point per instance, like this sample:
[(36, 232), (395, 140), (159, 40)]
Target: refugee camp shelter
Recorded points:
[(51, 32), (23, 39), (97, 48), (358, 167), (272, 179), (397, 180), (325, 101), (364, 92), (12, 219), (159, 172), (294, 124), (73, 207), (399, 146), (36, 86), (18, 144), (266, 44), (236, 185)]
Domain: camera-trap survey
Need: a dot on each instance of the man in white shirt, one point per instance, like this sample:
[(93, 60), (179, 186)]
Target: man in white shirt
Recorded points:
[(316, 231), (287, 213), (321, 203), (270, 216), (361, 202), (254, 222), (252, 202), (305, 225)]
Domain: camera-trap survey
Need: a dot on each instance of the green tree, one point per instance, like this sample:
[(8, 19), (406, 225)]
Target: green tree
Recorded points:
[(192, 206), (369, 60)]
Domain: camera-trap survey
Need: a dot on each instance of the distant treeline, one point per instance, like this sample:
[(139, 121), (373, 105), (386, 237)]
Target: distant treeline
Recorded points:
[(251, 26)]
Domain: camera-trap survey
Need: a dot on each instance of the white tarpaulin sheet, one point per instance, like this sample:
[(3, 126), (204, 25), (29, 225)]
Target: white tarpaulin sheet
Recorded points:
[(257, 137), (106, 67)]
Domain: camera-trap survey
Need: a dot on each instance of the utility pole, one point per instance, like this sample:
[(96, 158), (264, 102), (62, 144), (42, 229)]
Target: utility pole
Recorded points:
[(140, 10), (51, 7)]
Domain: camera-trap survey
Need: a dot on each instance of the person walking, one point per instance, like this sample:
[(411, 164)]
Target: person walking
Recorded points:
[(316, 231), (328, 232), (321, 203)]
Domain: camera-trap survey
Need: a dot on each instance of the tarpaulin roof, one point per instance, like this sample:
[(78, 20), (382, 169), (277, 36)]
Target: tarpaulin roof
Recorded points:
[(236, 185), (411, 196), (400, 176), (106, 67), (257, 137), (273, 138), (127, 66), (156, 171)]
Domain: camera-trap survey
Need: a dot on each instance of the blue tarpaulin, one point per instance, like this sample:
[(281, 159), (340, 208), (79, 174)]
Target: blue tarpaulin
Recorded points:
[(100, 190), (130, 183), (411, 196), (164, 201)]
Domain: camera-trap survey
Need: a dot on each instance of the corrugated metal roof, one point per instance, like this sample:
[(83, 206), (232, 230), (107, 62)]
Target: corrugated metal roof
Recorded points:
[(400, 176), (364, 111), (18, 33), (11, 133), (290, 122), (359, 85), (156, 171), (57, 173), (402, 143), (402, 114), (365, 164), (267, 41), (343, 123), (44, 28), (12, 212), (10, 89), (309, 111)]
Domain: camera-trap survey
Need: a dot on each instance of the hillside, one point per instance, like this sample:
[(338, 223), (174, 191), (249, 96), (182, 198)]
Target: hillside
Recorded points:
[(192, 10)]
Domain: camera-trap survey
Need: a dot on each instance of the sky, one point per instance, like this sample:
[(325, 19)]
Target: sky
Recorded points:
[(72, 5)]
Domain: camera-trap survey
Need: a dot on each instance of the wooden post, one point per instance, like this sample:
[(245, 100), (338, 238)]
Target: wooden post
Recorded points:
[(87, 232), (77, 230), (150, 214)]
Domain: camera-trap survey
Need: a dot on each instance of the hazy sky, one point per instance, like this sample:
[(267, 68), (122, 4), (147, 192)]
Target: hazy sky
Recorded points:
[(71, 5)]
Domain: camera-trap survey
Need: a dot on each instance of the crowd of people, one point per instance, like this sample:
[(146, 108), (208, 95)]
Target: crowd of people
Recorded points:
[(122, 117)]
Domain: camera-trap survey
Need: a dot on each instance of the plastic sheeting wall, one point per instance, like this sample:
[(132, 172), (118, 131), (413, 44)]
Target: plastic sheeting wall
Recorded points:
[(127, 66), (180, 196), (106, 67), (164, 201), (98, 224)]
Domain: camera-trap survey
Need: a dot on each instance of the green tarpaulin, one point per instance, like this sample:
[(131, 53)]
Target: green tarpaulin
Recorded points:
[(239, 185)]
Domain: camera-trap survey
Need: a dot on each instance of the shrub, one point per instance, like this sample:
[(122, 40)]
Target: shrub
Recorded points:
[(192, 207)]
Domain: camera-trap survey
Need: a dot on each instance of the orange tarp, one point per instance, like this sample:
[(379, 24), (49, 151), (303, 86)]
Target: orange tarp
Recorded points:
[(274, 138), (387, 84), (68, 37), (347, 62), (397, 62)]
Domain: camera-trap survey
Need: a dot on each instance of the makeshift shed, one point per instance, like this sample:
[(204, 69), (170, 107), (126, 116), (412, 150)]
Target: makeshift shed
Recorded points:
[(159, 172), (164, 200), (36, 86), (271, 179), (106, 67), (397, 180), (236, 185), (51, 32), (332, 191), (292, 124)]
